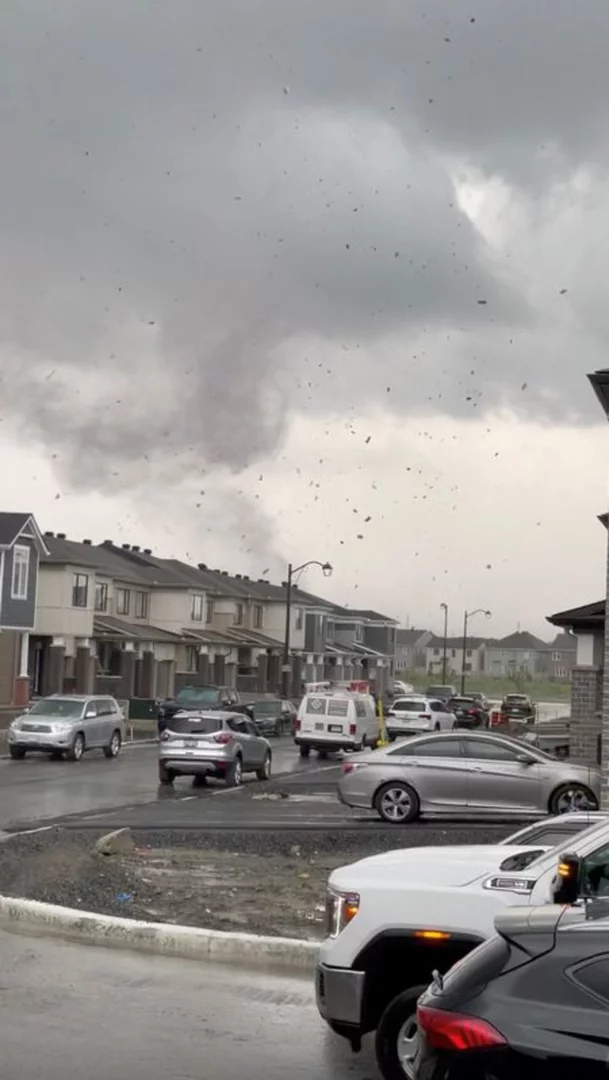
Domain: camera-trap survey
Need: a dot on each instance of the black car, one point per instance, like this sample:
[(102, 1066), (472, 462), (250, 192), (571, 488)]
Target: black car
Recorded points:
[(518, 708), (531, 1003), (440, 691), (469, 711), (273, 715), (196, 697)]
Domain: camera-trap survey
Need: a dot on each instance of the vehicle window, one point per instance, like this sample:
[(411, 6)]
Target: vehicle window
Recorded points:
[(548, 835), (102, 708), (194, 725), (360, 709), (338, 707), (445, 748), (235, 723), (199, 695), (485, 750), (316, 706), (595, 873), (594, 977), (437, 706), (410, 705), (250, 728), (57, 707), (267, 708)]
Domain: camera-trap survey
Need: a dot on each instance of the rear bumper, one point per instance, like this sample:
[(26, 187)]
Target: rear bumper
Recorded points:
[(192, 766), (329, 743), (339, 993)]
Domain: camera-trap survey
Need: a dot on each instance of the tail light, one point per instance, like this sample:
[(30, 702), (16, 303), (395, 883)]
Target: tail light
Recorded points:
[(471, 712), (297, 725), (350, 766), (165, 736), (452, 1031), (223, 737), (424, 716), (353, 729)]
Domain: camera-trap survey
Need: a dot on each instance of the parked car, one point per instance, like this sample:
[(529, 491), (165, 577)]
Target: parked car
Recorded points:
[(531, 1002), (221, 744), (469, 711), (468, 773), (518, 707), (553, 736), (441, 691), (336, 720), (68, 725), (196, 697), (481, 698), (273, 716), (413, 715), (400, 688)]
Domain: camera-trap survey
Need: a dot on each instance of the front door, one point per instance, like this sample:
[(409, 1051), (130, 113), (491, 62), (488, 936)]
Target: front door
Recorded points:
[(500, 783), (438, 770)]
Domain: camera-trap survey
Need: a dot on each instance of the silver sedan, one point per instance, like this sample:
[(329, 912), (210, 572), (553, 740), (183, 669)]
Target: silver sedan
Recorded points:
[(467, 774)]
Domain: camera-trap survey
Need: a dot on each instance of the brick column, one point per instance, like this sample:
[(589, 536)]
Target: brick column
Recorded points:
[(53, 671), (586, 717), (219, 674), (147, 687), (203, 667), (83, 670), (262, 674), (127, 684)]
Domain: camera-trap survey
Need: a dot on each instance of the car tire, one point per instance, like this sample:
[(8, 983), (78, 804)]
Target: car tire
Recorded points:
[(305, 751), (277, 731), (264, 772), (436, 727), (562, 800), (166, 776), (113, 749), (234, 773), (77, 748), (17, 753), (396, 1036), (406, 807)]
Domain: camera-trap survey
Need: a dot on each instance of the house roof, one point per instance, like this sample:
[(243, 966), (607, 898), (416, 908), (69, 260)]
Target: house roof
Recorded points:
[(588, 616), (107, 626), (563, 643), (521, 639), (371, 616), (13, 525), (455, 642), (409, 637)]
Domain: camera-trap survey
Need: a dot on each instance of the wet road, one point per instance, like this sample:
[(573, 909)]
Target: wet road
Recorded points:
[(70, 1011)]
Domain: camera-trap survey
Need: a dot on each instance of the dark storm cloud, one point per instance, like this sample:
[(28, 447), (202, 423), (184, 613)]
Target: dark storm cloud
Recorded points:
[(204, 184)]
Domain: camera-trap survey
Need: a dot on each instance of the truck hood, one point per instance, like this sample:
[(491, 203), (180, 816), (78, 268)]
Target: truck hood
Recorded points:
[(431, 866)]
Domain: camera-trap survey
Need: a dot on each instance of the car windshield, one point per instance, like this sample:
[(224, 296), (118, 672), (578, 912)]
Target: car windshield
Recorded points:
[(409, 705), (267, 708), (204, 695), (195, 725), (463, 702), (57, 707)]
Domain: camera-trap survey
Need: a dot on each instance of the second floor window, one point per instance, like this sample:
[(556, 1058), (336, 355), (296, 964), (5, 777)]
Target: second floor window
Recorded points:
[(238, 614), (258, 616), (209, 613), (123, 601), (21, 573), (80, 590), (298, 622), (196, 613), (141, 605), (101, 596)]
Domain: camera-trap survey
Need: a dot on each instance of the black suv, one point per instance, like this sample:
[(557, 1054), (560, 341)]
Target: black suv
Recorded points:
[(469, 711), (196, 697)]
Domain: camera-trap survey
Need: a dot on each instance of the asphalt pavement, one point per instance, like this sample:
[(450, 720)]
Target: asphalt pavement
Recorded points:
[(70, 1011)]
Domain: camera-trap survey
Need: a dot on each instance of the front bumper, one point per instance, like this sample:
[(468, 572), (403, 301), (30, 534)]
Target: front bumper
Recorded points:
[(45, 742), (339, 994)]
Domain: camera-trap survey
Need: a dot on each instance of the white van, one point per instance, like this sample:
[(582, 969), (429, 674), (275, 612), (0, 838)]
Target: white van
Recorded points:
[(336, 720)]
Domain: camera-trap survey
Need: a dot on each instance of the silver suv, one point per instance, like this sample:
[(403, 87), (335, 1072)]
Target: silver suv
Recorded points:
[(213, 743), (68, 725)]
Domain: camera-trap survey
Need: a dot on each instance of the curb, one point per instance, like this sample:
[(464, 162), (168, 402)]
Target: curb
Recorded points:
[(180, 942)]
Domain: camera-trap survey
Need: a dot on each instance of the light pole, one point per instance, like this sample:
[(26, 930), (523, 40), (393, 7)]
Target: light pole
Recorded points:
[(286, 667), (466, 617), (445, 642)]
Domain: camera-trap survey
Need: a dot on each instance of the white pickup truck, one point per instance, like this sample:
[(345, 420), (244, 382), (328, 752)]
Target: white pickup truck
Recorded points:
[(393, 919)]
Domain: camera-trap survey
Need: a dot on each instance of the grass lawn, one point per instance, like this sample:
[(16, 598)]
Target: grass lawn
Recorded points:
[(496, 688)]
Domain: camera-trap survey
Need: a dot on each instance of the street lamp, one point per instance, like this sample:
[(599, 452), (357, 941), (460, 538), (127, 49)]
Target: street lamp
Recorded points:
[(286, 667), (466, 617), (445, 642)]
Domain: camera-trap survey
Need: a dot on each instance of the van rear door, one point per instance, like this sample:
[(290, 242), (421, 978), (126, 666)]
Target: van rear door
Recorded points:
[(312, 714)]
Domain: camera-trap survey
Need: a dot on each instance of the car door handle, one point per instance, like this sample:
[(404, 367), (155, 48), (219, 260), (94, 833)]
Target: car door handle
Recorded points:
[(476, 768)]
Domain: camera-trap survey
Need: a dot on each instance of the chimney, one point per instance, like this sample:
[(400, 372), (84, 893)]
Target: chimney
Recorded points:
[(49, 534), (237, 577), (262, 581), (61, 536), (108, 543), (216, 571), (245, 577), (202, 566), (126, 547), (88, 542), (136, 547), (224, 573), (147, 551)]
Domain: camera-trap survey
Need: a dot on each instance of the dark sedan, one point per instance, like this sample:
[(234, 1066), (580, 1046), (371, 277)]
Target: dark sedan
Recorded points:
[(273, 716), (469, 711)]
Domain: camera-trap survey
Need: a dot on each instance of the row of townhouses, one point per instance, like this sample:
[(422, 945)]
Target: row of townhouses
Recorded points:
[(519, 654), (82, 617)]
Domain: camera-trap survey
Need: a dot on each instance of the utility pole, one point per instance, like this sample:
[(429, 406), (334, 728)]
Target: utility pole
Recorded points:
[(467, 615), (286, 666), (445, 643)]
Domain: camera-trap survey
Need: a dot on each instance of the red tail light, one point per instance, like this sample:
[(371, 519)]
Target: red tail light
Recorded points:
[(353, 729), (471, 712), (223, 737), (424, 716), (451, 1031), (347, 768), (297, 725)]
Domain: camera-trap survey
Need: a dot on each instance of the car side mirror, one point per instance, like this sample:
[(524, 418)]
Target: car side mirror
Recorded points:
[(524, 759), (566, 887), (90, 714)]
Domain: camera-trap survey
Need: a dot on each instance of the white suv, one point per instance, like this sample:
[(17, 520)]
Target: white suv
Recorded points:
[(413, 715)]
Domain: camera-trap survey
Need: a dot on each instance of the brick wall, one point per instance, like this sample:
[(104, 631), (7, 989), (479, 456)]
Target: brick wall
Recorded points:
[(586, 718)]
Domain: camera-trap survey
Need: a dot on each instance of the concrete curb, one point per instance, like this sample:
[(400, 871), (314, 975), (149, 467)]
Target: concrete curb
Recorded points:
[(183, 942)]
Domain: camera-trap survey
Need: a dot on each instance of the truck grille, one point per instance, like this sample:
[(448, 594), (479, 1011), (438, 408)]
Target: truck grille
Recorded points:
[(35, 727)]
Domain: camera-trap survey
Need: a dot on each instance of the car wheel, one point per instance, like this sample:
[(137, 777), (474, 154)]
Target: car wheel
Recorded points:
[(166, 776), (113, 748), (234, 774), (16, 753), (436, 727), (305, 751), (277, 731), (569, 797), (397, 803), (396, 1036), (264, 772), (77, 748)]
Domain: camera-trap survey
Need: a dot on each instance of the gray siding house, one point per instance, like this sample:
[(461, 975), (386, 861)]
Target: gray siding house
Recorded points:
[(21, 546)]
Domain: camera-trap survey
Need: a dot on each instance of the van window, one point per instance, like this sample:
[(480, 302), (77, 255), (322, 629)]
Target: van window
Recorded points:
[(338, 707), (316, 706), (360, 709)]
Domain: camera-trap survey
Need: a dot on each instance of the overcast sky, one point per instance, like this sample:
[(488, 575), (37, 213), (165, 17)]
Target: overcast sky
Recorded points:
[(287, 280)]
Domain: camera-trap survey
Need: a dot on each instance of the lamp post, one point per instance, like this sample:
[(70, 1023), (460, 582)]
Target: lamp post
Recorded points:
[(445, 642), (466, 617), (286, 666)]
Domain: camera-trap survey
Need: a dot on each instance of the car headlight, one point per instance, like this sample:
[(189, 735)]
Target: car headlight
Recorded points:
[(341, 908), (15, 725)]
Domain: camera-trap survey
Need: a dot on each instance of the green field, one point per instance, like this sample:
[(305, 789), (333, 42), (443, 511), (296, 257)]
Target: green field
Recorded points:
[(496, 688)]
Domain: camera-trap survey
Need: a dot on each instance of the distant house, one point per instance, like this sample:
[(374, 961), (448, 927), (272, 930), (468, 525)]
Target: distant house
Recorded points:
[(587, 625), (410, 648), (519, 654), (562, 654), (473, 662), (21, 547)]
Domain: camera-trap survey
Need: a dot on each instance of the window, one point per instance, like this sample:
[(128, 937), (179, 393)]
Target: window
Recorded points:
[(359, 632), (436, 652), (196, 613), (560, 672), (141, 605), (299, 618), (209, 611), (316, 706), (438, 706), (330, 631), (101, 596), (467, 667), (192, 654), (338, 707), (360, 709), (595, 873), (453, 653), (80, 590), (437, 747), (123, 601), (238, 614), (21, 573), (483, 750), (258, 616), (556, 656), (468, 652)]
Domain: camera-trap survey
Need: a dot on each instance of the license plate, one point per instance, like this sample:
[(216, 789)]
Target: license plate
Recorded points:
[(337, 728), (319, 727)]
